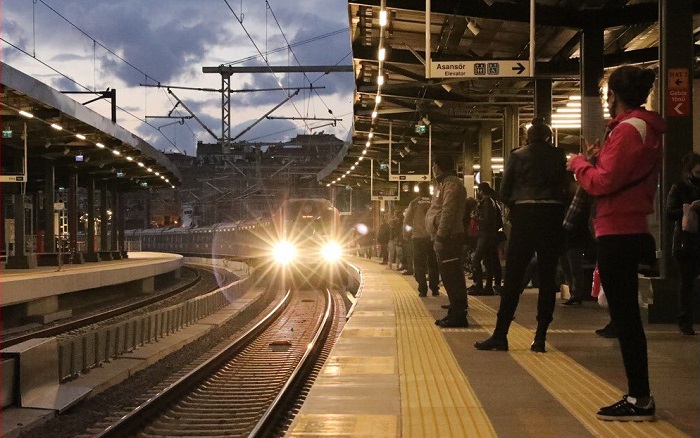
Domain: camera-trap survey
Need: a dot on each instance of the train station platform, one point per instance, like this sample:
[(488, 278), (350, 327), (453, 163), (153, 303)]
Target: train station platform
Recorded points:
[(39, 288), (394, 373)]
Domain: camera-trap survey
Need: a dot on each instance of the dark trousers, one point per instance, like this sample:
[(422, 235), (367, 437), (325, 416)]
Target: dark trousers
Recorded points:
[(487, 251), (424, 261), (689, 265), (384, 252), (407, 259), (618, 259), (452, 273), (536, 228), (572, 265)]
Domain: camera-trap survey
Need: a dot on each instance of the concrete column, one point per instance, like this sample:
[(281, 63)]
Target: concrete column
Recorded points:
[(592, 120), (73, 217), (676, 56), (90, 254), (511, 130), (543, 99), (485, 147)]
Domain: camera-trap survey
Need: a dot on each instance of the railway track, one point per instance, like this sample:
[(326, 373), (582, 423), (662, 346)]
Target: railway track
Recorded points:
[(248, 386), (101, 315)]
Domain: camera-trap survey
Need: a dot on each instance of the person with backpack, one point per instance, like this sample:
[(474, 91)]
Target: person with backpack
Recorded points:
[(489, 219), (424, 260), (534, 187)]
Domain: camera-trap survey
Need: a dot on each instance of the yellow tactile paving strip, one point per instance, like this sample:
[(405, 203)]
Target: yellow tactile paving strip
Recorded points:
[(581, 396), (436, 398)]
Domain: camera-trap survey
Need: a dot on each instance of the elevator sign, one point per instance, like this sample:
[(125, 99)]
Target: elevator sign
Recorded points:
[(480, 69), (678, 92)]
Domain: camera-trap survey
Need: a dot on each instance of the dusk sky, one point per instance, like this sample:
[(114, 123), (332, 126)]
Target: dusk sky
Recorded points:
[(170, 41)]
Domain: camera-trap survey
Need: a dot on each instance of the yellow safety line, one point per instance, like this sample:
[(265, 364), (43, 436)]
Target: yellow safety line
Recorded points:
[(436, 398), (583, 395)]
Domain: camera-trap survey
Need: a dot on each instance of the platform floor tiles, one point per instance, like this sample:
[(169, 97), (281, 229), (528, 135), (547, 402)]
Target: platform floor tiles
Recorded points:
[(393, 373)]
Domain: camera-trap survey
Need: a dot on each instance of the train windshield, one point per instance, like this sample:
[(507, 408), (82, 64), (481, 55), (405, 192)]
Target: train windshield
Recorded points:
[(310, 217)]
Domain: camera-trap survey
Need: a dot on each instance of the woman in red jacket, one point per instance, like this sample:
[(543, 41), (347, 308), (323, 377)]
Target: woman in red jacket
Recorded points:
[(623, 185)]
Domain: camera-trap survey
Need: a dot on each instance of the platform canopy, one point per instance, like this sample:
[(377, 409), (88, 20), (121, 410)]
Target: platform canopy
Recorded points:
[(67, 134), (476, 31)]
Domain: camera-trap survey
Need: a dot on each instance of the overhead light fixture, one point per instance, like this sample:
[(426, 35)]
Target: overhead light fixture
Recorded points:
[(382, 54), (368, 144), (352, 167), (116, 152), (364, 152), (447, 87), (57, 127), (371, 134), (47, 144), (382, 17), (80, 136), (100, 145), (414, 140), (380, 80), (141, 164), (129, 159), (473, 27), (402, 154), (407, 149), (374, 114), (439, 103), (26, 114), (426, 120), (378, 98)]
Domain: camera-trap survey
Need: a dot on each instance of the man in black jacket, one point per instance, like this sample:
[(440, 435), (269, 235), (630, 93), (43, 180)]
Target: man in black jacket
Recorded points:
[(534, 184), (488, 217)]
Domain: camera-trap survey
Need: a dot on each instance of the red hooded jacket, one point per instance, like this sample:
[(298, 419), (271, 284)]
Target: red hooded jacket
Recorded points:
[(624, 178)]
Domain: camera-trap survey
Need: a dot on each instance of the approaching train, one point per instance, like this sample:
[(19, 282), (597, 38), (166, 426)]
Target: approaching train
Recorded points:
[(302, 241)]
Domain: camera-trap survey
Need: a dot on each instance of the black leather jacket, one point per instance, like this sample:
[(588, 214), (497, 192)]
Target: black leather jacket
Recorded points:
[(535, 173)]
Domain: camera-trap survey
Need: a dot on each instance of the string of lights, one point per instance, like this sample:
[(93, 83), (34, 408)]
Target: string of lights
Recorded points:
[(381, 56)]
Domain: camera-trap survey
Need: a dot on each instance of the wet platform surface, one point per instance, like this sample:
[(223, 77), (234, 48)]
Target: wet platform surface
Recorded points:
[(394, 373)]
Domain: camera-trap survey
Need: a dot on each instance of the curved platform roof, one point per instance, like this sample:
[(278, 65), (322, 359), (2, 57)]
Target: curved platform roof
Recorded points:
[(87, 141)]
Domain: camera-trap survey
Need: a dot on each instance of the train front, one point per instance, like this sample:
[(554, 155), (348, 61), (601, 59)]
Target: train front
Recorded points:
[(309, 247)]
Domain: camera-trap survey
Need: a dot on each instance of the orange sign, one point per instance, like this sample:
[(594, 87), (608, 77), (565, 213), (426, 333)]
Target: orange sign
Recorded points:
[(678, 93)]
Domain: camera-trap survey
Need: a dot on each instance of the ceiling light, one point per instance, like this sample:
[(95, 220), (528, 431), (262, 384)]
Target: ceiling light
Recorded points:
[(575, 97), (352, 167), (347, 173), (426, 120), (380, 80), (100, 145), (473, 27), (116, 152), (129, 159), (328, 185), (364, 152), (414, 140), (367, 144), (374, 114), (439, 103), (371, 134), (573, 104), (378, 98), (149, 169), (382, 17), (382, 54), (360, 158), (80, 136), (26, 114), (157, 174), (57, 127), (447, 87)]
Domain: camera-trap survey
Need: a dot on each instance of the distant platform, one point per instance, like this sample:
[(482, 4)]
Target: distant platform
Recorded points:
[(26, 285)]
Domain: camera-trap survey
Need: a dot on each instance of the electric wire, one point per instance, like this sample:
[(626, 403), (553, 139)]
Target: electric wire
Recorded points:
[(250, 37)]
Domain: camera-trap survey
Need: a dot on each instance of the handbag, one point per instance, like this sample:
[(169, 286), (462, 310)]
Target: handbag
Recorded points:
[(648, 265), (689, 222)]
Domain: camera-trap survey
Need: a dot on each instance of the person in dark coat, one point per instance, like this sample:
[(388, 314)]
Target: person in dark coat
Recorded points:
[(488, 217), (534, 186), (686, 244), (383, 235)]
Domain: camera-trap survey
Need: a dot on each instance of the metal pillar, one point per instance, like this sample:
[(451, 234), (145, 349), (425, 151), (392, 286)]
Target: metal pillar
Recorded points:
[(49, 213), (226, 110), (511, 130), (120, 225), (20, 259), (113, 229), (104, 220), (592, 120), (91, 255), (485, 146), (543, 99), (676, 56), (73, 217)]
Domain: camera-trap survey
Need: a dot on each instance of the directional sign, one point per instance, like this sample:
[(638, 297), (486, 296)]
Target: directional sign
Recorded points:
[(480, 69), (408, 177), (678, 93), (13, 178)]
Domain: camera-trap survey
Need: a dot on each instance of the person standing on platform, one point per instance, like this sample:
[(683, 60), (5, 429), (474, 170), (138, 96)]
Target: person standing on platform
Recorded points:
[(488, 217), (623, 184), (424, 260), (383, 235), (534, 186), (683, 206), (444, 223), (395, 238)]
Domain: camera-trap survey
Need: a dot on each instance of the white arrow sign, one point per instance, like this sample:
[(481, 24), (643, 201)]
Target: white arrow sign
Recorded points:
[(677, 108), (480, 69)]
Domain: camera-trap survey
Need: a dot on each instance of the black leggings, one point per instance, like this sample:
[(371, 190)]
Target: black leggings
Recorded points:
[(618, 259)]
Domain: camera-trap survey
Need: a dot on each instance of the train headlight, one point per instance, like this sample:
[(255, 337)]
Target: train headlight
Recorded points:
[(284, 252), (331, 252)]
